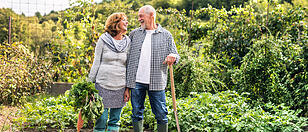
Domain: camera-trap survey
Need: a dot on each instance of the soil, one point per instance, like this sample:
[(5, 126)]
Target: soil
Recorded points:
[(7, 115)]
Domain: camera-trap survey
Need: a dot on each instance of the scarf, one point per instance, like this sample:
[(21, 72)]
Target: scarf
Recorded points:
[(113, 45)]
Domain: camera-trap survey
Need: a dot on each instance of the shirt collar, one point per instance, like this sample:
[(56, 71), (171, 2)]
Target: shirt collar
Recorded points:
[(157, 30)]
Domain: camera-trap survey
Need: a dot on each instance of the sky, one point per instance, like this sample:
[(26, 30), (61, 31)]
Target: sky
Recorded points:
[(29, 7)]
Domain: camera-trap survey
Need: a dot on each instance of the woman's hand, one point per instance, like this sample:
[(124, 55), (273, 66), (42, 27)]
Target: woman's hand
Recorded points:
[(126, 95)]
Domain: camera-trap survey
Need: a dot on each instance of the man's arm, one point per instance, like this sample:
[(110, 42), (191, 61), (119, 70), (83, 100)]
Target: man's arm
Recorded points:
[(131, 36), (173, 56)]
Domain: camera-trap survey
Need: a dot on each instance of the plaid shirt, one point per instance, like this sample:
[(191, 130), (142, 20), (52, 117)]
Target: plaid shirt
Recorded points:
[(162, 45)]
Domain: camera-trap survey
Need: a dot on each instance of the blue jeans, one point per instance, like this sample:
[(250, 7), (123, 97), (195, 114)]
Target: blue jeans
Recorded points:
[(157, 101), (114, 117)]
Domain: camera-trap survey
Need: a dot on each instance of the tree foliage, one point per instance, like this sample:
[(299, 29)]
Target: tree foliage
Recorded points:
[(21, 74), (18, 26)]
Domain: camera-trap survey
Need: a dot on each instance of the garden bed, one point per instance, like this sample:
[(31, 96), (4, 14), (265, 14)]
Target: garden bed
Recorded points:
[(59, 88)]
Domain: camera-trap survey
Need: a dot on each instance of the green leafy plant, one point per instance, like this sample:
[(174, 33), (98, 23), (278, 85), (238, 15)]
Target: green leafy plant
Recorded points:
[(85, 98), (62, 112), (196, 73), (47, 113), (274, 71), (73, 49), (224, 111)]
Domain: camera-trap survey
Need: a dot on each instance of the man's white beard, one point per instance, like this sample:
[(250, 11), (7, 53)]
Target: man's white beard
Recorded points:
[(143, 26)]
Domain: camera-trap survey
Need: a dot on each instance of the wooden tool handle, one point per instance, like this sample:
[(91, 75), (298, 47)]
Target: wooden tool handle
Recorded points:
[(173, 97)]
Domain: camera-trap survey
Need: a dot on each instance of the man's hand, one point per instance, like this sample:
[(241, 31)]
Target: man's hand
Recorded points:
[(126, 95), (170, 59)]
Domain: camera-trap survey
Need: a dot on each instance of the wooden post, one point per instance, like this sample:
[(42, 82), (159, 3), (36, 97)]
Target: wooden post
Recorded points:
[(191, 17), (10, 19), (267, 12)]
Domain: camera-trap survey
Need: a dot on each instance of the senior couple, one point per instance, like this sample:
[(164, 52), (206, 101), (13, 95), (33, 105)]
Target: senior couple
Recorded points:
[(130, 66)]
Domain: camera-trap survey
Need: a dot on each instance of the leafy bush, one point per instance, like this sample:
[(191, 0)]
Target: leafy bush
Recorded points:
[(19, 26), (275, 71), (224, 111), (221, 59), (21, 73), (229, 111), (48, 113), (72, 50), (196, 73)]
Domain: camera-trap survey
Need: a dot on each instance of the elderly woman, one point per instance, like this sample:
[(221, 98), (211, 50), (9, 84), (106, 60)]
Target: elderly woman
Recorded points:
[(108, 71)]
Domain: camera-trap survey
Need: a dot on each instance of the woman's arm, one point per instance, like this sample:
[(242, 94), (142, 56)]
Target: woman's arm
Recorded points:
[(97, 60)]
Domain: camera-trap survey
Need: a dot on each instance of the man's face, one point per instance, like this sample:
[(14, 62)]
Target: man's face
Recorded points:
[(144, 19)]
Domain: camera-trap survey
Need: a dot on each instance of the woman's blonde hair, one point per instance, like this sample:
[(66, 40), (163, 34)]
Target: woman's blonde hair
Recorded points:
[(112, 23)]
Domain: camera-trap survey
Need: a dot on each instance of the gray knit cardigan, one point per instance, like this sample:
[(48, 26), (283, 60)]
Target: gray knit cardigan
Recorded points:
[(109, 67)]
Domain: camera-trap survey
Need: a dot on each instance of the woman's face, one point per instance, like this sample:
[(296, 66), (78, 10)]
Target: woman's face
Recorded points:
[(123, 25)]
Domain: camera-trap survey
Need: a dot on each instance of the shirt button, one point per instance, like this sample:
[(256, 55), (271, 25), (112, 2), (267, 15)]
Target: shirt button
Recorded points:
[(139, 49)]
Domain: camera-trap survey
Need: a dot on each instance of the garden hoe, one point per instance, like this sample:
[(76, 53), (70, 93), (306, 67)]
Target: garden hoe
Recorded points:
[(173, 98)]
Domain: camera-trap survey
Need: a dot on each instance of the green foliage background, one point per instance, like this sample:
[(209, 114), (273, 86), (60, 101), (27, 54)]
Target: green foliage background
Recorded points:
[(245, 46)]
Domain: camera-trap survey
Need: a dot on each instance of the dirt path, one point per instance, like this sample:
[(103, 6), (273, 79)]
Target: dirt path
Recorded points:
[(7, 114)]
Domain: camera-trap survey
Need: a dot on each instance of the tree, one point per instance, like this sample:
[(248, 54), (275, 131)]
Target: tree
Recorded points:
[(52, 11), (38, 14), (187, 4), (164, 3), (18, 28)]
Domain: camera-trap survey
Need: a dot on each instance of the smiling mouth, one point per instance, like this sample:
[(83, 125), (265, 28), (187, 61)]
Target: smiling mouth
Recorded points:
[(124, 26)]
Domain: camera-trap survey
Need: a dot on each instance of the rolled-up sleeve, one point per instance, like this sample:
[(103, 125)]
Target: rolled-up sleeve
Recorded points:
[(172, 49)]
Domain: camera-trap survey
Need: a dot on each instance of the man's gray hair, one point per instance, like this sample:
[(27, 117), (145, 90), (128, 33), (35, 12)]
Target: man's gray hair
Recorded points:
[(148, 9)]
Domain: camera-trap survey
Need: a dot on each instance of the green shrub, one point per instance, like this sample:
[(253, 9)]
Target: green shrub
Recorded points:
[(196, 72), (260, 54), (275, 71), (73, 48), (229, 111), (49, 112), (224, 111), (21, 74), (233, 32)]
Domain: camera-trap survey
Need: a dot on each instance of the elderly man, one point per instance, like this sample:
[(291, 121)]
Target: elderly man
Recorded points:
[(152, 50)]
